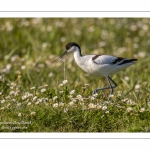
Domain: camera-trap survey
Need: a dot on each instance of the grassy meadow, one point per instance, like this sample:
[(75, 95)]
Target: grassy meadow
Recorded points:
[(37, 95)]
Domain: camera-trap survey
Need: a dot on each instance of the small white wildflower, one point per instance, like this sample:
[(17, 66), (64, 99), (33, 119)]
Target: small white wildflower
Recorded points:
[(1, 77), (8, 66), (43, 90), (111, 95), (65, 82), (13, 100), (142, 109), (107, 112), (137, 87), (27, 94), (126, 78), (32, 88), (36, 103), (70, 96), (60, 85), (79, 96), (61, 104), (91, 106), (0, 93), (45, 85), (32, 113), (54, 98), (61, 92), (55, 105), (119, 94), (92, 98), (95, 95), (12, 93), (19, 114), (29, 104), (23, 67), (72, 92), (34, 98), (124, 100), (66, 109), (71, 103), (18, 104), (129, 109), (2, 101), (148, 103), (142, 54), (2, 108), (98, 106), (130, 102), (104, 107), (24, 97)]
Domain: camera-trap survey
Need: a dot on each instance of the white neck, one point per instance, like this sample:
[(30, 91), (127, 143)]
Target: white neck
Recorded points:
[(77, 57)]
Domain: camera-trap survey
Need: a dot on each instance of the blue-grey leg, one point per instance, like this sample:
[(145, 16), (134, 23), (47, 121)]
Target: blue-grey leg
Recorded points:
[(111, 87)]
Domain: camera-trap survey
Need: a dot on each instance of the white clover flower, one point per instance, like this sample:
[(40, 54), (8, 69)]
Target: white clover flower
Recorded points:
[(79, 96), (29, 104), (91, 106), (18, 104), (12, 93), (1, 77), (23, 67), (104, 107), (137, 87), (45, 85), (19, 114), (61, 92), (129, 109), (36, 103), (72, 92), (126, 78), (71, 103), (55, 105), (54, 98), (60, 85), (98, 106), (142, 109), (148, 103), (65, 82), (2, 101), (130, 102), (119, 93), (32, 88), (61, 104), (24, 97), (142, 54), (111, 95), (107, 112), (92, 98), (2, 108), (70, 96), (32, 113), (43, 90), (66, 109), (95, 95), (34, 98)]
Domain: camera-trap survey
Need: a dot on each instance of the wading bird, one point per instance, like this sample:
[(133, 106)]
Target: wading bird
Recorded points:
[(104, 65)]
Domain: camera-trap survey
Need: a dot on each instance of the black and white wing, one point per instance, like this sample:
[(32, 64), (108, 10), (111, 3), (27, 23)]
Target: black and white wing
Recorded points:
[(112, 60)]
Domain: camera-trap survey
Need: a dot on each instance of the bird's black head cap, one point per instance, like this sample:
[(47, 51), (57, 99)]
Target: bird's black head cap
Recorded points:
[(69, 45)]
